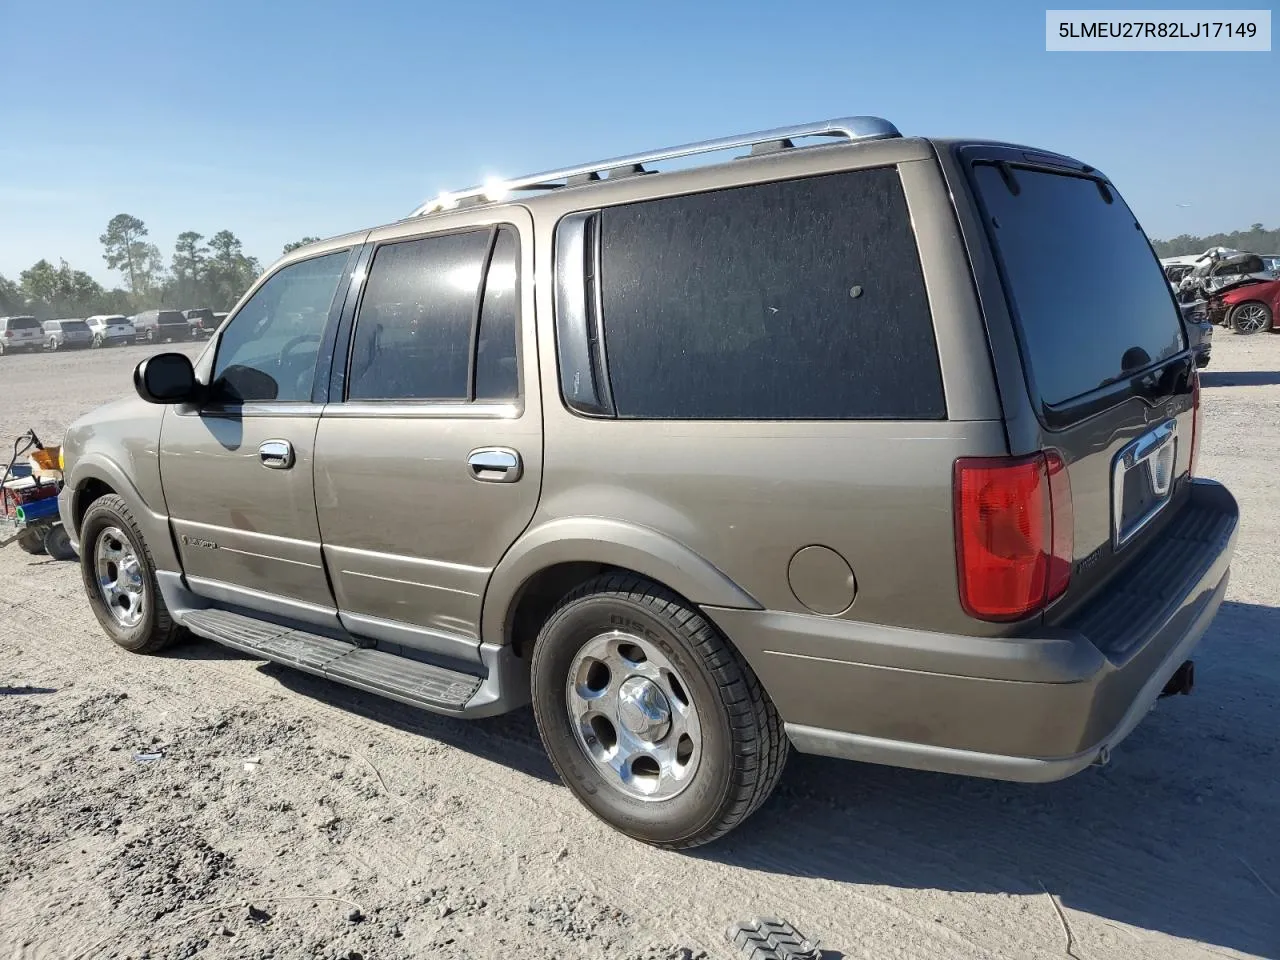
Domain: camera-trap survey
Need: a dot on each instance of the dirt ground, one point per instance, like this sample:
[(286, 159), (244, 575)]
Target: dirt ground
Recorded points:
[(287, 816)]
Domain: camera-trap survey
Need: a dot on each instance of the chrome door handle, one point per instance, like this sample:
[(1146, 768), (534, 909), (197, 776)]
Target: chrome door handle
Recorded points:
[(495, 465), (276, 454)]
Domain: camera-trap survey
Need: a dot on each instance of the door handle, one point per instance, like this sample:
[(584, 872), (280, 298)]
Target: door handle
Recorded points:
[(276, 454), (495, 465)]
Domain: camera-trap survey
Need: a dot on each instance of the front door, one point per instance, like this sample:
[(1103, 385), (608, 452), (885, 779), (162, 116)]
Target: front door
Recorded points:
[(429, 455), (237, 470)]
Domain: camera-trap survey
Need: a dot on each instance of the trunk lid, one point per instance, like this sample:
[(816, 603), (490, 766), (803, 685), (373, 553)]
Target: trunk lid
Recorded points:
[(1104, 351)]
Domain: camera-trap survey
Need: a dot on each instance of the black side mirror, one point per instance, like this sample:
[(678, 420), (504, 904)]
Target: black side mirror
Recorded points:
[(166, 378)]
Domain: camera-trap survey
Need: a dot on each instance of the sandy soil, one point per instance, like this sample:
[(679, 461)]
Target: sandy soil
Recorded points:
[(291, 817)]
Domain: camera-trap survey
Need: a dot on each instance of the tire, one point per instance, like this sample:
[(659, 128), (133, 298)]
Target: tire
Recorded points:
[(98, 343), (31, 541), (1, 348), (53, 344), (150, 336), (730, 735), (57, 543), (109, 519), (1250, 317)]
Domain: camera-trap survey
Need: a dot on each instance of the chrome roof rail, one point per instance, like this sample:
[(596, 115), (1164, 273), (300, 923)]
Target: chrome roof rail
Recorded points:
[(764, 141)]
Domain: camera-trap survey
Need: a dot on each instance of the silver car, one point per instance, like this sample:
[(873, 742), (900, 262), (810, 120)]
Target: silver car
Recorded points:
[(66, 334)]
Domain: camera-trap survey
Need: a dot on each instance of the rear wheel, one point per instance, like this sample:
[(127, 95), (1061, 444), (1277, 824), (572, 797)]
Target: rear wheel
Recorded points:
[(1252, 316), (650, 716), (98, 342), (120, 579), (53, 344)]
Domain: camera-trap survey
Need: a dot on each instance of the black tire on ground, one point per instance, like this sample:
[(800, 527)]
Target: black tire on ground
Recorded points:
[(53, 344), (1, 348), (156, 629), (1244, 317), (57, 543), (743, 746), (98, 342), (31, 541)]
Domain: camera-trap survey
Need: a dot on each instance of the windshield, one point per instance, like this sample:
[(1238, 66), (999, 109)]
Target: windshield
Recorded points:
[(1091, 302)]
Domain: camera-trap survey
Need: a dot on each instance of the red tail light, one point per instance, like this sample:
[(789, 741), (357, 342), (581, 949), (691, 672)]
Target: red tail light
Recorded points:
[(8, 334), (1014, 534), (1197, 422)]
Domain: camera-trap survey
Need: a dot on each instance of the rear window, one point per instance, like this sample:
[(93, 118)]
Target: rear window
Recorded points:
[(795, 300), (24, 323), (77, 325), (1091, 302), (170, 316)]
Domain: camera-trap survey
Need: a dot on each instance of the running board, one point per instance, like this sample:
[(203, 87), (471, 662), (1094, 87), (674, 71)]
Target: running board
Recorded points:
[(375, 671)]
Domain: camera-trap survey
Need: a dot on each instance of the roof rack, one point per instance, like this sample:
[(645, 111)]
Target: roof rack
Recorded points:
[(764, 141)]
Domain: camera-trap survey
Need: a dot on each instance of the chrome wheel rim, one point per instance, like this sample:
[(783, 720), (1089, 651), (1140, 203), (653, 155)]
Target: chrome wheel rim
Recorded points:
[(1251, 318), (633, 717), (121, 584)]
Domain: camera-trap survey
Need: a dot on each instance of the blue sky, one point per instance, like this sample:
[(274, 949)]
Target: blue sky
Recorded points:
[(281, 119)]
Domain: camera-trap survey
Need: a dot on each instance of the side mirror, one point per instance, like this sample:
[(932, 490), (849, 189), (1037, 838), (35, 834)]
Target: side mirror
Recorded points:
[(166, 378)]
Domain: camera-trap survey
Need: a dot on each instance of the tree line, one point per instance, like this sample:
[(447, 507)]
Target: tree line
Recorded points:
[(1257, 239), (214, 272), (200, 272)]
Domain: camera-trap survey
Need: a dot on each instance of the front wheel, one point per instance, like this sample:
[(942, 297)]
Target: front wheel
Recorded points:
[(1252, 316), (650, 716), (120, 579)]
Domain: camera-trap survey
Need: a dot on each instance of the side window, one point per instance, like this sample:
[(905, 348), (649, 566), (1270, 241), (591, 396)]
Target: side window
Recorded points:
[(269, 350), (418, 328), (497, 363), (796, 300)]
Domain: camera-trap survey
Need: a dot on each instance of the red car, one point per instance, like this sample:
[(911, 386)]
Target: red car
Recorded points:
[(1247, 308)]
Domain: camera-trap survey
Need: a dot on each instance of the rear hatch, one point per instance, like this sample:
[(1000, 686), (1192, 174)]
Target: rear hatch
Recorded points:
[(23, 330), (1104, 353), (171, 318)]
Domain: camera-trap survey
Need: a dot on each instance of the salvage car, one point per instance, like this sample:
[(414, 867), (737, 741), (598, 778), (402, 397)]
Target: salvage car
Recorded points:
[(807, 447), (1249, 307), (111, 330), (20, 333), (66, 334)]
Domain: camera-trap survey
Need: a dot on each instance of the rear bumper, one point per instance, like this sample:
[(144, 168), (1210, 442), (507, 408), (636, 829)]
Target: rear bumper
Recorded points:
[(1034, 708)]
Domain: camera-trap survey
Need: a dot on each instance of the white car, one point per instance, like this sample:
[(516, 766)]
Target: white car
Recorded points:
[(20, 333), (111, 330)]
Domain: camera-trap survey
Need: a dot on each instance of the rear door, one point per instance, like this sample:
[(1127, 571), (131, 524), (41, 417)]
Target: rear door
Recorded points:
[(429, 454), (1102, 347)]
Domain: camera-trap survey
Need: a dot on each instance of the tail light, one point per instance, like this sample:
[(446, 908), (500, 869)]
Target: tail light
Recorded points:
[(8, 334), (1197, 422), (1014, 534)]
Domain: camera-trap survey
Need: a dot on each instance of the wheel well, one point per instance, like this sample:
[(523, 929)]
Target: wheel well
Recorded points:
[(88, 492), (538, 595)]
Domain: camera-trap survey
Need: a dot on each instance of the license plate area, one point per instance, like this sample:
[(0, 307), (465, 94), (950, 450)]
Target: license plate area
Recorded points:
[(1142, 481)]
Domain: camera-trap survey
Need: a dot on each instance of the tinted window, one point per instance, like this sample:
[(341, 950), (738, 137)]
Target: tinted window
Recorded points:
[(268, 352), (413, 335), (170, 316), (1091, 301), (77, 325), (24, 323), (783, 301), (497, 366)]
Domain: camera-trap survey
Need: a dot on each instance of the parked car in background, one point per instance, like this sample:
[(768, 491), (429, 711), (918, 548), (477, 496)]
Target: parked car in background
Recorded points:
[(157, 326), (1272, 262), (20, 333), (111, 330), (201, 321), (1247, 308), (66, 334), (812, 448)]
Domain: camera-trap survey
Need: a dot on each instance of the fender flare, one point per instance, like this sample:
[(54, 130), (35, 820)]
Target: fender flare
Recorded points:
[(155, 526), (610, 542)]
